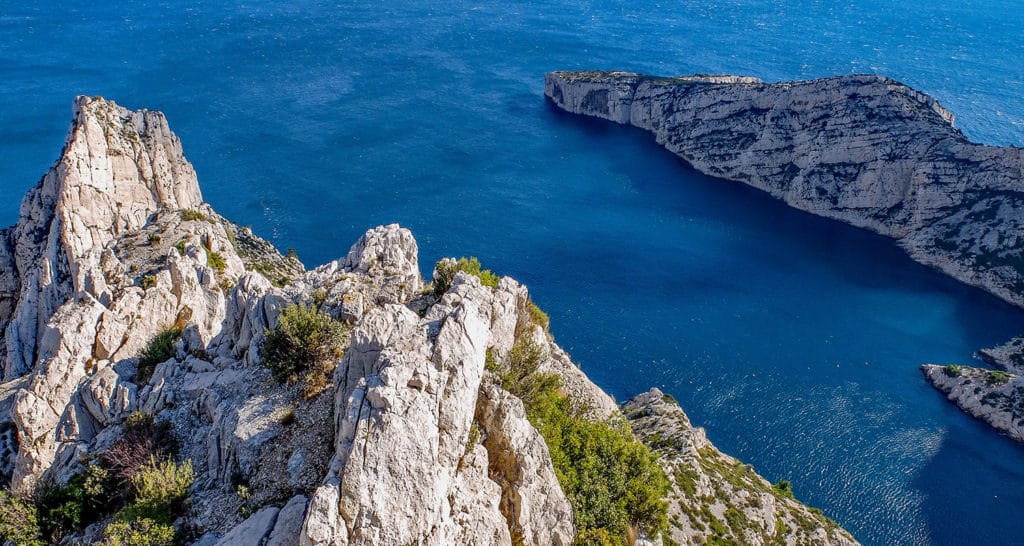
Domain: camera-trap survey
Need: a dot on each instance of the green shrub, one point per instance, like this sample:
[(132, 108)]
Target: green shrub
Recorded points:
[(159, 492), (996, 377), (521, 378), (158, 350), (216, 261), (231, 237), (537, 316), (190, 215), (784, 489), (613, 481), (154, 239), (19, 522), (597, 537), (180, 245), (148, 281), (85, 499), (160, 489), (141, 532), (306, 344), (445, 270), (953, 370)]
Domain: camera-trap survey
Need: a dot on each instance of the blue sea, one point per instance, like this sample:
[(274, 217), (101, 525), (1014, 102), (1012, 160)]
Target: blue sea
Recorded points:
[(795, 341)]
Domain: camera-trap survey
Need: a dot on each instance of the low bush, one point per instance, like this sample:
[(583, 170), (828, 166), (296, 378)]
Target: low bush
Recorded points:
[(139, 532), (19, 522), (158, 350), (147, 282), (996, 377), (537, 316), (159, 491), (784, 489), (144, 439), (160, 488), (85, 499), (305, 345), (191, 215), (216, 261), (613, 481), (154, 239), (953, 370), (445, 270)]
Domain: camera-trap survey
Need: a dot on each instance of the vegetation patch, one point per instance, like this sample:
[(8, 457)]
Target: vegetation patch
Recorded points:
[(784, 489), (216, 261), (19, 521), (158, 493), (147, 282), (114, 482), (538, 316), (158, 350), (614, 482), (190, 215), (953, 370), (996, 377), (445, 270), (305, 345)]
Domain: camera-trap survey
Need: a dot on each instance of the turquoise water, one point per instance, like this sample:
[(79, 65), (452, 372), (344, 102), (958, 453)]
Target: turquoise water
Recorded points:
[(794, 340)]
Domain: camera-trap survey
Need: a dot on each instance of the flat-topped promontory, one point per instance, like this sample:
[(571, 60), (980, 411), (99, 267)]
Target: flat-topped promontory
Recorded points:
[(863, 149)]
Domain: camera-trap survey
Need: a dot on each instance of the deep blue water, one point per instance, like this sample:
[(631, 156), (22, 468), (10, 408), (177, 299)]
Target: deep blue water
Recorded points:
[(794, 340)]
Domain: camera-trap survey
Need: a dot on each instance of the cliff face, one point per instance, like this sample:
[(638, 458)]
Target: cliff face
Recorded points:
[(862, 149), (412, 440)]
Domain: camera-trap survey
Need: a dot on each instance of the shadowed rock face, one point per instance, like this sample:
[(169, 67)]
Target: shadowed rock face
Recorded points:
[(412, 442), (863, 149)]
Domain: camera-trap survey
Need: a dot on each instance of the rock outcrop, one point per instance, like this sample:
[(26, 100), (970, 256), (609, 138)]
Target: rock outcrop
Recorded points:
[(713, 494), (411, 441), (995, 396), (863, 149)]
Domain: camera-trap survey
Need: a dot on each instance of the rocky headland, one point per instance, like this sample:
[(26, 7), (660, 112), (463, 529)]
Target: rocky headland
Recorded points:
[(170, 377), (862, 149)]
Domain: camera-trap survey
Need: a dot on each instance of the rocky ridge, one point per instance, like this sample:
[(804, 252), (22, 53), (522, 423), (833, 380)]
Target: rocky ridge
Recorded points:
[(994, 396), (412, 440), (862, 149), (716, 496)]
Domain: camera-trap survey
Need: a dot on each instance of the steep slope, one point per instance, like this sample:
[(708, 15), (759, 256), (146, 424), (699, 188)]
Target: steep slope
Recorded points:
[(410, 439), (716, 497)]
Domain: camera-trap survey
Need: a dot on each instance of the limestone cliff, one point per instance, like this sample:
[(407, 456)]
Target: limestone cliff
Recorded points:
[(411, 441), (863, 149)]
